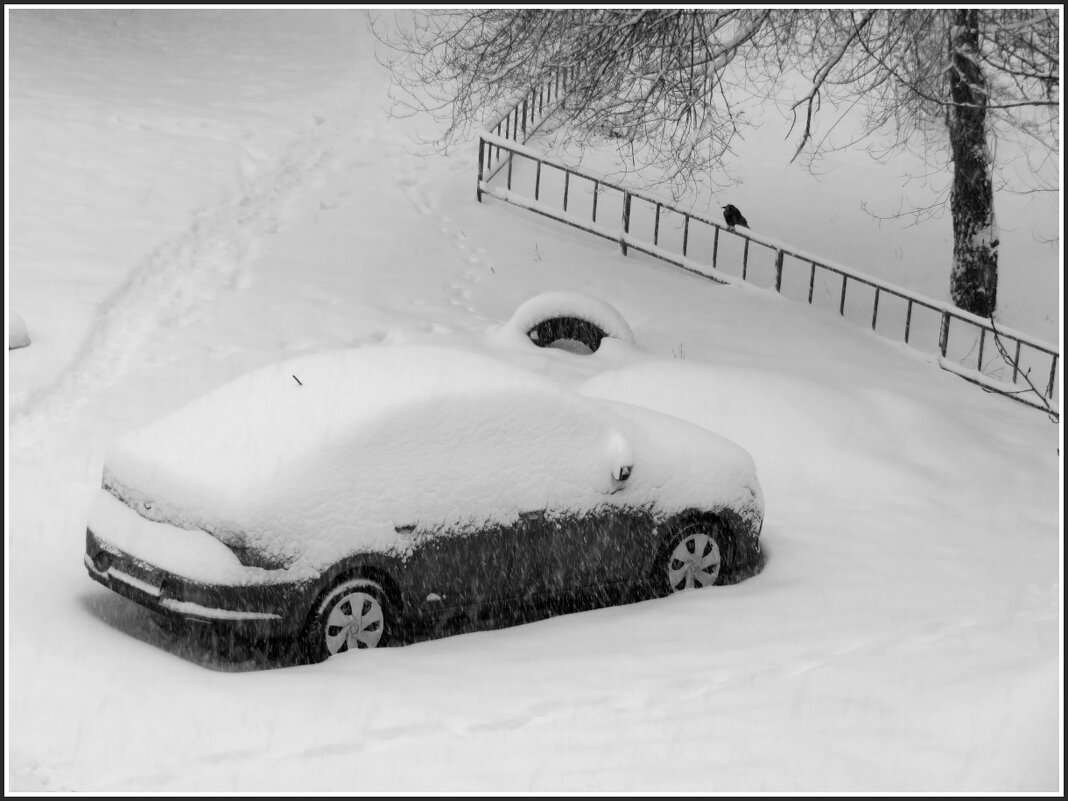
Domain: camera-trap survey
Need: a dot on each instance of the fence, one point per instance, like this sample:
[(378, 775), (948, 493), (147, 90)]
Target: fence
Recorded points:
[(524, 119), (996, 358)]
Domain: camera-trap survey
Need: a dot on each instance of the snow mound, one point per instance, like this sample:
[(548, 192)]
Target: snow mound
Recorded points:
[(17, 335)]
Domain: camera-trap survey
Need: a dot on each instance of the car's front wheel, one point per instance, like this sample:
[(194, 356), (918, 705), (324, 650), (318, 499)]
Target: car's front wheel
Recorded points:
[(354, 615), (692, 557)]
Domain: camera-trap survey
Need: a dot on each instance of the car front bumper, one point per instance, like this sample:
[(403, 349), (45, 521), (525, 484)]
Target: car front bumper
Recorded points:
[(254, 610)]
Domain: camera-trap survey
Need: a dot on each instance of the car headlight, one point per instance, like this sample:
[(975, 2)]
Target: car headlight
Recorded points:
[(102, 561), (168, 590), (254, 557)]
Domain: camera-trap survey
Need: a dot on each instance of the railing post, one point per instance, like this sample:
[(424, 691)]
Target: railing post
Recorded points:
[(715, 247), (1052, 377), (656, 226), (481, 159), (524, 119), (537, 180), (811, 281), (908, 321), (841, 303), (685, 234), (595, 185), (875, 309), (982, 341), (778, 271), (943, 334), (745, 259), (510, 154), (567, 180), (626, 221)]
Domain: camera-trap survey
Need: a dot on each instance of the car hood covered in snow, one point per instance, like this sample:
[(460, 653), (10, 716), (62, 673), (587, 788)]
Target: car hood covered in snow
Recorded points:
[(311, 459)]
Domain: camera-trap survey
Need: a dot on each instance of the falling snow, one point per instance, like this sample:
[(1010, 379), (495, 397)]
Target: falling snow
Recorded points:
[(198, 194)]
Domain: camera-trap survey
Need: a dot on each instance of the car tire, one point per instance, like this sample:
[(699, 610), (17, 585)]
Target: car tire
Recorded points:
[(694, 555), (355, 614)]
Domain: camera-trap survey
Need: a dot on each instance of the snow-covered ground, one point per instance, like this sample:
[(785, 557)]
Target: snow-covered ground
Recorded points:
[(196, 193)]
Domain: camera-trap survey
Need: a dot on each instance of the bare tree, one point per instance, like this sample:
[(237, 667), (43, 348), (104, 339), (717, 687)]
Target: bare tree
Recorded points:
[(652, 81), (962, 78), (667, 83)]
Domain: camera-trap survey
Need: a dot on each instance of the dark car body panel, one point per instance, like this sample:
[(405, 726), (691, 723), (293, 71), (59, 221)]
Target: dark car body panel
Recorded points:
[(536, 560), (457, 568)]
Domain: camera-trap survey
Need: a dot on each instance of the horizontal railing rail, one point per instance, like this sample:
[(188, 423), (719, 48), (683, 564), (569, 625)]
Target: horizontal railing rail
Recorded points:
[(1005, 360)]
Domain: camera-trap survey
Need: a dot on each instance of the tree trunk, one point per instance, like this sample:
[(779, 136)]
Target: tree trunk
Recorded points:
[(974, 278)]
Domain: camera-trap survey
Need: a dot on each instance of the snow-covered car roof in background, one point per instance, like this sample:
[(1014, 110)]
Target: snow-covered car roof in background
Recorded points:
[(580, 305)]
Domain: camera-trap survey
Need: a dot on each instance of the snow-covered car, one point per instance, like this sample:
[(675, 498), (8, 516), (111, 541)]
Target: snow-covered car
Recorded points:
[(333, 498), (572, 321)]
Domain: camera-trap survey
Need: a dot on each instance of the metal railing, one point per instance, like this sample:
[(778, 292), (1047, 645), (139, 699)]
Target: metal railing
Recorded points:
[(524, 119), (996, 358)]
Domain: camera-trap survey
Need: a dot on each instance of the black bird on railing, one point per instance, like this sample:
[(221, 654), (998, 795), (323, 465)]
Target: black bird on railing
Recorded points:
[(734, 217)]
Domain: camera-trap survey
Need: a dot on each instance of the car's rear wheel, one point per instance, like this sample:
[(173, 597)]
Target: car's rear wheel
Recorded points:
[(693, 556), (355, 614)]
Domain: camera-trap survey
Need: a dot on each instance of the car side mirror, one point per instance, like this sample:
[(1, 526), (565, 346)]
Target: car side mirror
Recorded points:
[(620, 455)]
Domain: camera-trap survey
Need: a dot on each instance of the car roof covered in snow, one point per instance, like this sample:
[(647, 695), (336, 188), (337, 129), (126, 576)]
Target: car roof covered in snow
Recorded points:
[(386, 423), (291, 407)]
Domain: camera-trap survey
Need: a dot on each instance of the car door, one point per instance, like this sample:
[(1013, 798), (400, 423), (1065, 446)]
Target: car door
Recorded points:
[(535, 467), (600, 539), (495, 473), (606, 547), (463, 566)]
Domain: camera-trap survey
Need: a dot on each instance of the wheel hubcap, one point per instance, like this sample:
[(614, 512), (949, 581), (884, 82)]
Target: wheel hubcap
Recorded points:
[(694, 562), (356, 621)]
